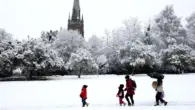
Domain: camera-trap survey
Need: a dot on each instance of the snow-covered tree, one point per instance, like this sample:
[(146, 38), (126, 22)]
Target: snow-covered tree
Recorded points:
[(191, 29), (68, 42), (95, 45), (132, 29), (5, 66), (126, 48), (152, 36), (103, 65), (169, 25), (191, 25), (147, 39), (176, 58), (5, 35), (5, 40), (114, 64), (81, 62), (98, 49), (6, 47), (137, 54), (49, 37), (35, 59)]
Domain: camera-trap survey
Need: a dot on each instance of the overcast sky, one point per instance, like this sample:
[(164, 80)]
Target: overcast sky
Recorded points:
[(30, 17)]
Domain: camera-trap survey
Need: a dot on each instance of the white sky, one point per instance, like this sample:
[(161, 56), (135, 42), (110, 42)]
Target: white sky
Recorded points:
[(30, 17)]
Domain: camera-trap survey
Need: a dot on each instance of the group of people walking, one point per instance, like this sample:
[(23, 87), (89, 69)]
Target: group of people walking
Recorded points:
[(130, 92)]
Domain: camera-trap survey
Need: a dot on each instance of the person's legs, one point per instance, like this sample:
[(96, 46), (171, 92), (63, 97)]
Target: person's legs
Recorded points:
[(84, 102), (87, 104), (132, 100), (162, 95), (123, 101), (163, 101), (158, 97), (126, 96), (120, 100)]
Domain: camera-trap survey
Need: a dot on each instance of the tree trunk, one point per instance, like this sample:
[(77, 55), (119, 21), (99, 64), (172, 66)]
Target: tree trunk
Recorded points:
[(97, 71), (79, 76), (30, 75), (80, 71)]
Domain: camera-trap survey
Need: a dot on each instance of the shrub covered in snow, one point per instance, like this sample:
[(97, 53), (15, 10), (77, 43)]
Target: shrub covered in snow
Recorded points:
[(82, 62), (5, 66), (37, 58), (6, 54), (177, 58)]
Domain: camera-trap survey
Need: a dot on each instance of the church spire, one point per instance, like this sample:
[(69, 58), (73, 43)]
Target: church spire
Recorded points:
[(76, 22), (76, 10), (76, 5), (82, 18)]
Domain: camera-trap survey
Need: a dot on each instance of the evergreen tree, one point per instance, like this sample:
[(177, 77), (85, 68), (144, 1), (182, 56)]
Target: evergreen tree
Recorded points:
[(168, 25)]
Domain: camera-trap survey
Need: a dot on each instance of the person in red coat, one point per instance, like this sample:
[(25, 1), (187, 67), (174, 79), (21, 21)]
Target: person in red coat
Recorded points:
[(130, 90), (83, 95)]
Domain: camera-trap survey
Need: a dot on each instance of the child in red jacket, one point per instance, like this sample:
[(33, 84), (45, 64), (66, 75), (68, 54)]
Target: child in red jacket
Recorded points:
[(83, 95)]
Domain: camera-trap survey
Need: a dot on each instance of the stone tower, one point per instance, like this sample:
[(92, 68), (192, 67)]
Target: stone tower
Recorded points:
[(75, 22)]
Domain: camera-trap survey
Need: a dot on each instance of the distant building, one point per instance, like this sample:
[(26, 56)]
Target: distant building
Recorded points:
[(75, 22)]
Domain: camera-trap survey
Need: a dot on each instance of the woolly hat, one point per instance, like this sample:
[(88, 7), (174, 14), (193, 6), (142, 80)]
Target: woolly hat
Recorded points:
[(127, 77), (85, 86)]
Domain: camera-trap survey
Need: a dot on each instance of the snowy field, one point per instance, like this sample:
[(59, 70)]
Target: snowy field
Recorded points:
[(63, 93)]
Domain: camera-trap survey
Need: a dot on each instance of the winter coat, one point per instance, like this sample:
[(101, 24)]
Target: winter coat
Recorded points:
[(120, 92), (83, 94), (129, 87), (159, 88)]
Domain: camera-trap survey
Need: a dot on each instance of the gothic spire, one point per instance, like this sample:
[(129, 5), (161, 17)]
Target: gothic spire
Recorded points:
[(82, 18), (76, 22), (76, 10), (76, 5)]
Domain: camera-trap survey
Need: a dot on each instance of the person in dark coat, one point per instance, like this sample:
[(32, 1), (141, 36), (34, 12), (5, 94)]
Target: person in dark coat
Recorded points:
[(120, 94), (130, 90), (83, 95)]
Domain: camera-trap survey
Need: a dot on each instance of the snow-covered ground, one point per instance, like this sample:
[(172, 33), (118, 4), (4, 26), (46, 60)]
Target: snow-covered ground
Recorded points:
[(63, 93)]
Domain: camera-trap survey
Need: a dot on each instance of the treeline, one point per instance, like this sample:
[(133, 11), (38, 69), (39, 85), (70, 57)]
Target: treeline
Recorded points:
[(162, 45)]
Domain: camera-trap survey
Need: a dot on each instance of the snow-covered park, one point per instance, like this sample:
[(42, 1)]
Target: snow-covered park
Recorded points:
[(164, 43), (62, 93)]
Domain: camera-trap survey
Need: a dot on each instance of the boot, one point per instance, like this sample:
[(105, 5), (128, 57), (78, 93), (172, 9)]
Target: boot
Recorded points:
[(165, 103), (87, 104)]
